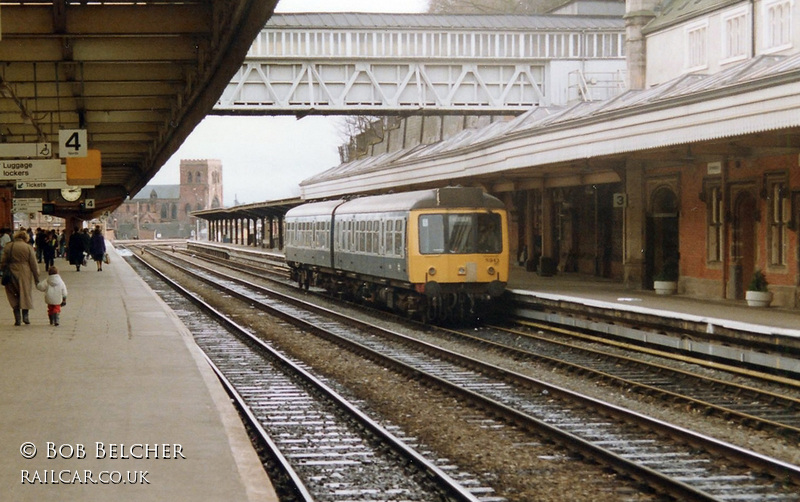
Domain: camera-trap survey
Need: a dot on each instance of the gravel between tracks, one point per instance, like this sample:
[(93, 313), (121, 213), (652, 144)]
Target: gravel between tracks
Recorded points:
[(518, 469)]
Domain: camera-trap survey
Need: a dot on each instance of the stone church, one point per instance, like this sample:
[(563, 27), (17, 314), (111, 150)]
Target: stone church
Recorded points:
[(164, 211)]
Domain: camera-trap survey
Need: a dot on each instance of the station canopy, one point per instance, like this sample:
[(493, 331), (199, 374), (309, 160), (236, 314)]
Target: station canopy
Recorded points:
[(257, 210), (136, 76)]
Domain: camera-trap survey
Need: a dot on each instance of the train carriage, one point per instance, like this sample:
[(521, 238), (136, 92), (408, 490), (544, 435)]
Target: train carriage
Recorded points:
[(440, 254)]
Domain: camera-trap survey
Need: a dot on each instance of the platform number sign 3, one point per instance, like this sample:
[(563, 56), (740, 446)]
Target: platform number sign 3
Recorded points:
[(72, 143)]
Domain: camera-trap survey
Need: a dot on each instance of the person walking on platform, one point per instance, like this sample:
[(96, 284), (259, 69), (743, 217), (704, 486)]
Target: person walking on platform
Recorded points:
[(76, 249), (55, 294), (62, 244), (49, 246), (20, 258), (97, 247), (39, 242)]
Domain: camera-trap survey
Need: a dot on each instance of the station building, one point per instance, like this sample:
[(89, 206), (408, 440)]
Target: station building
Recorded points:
[(696, 164)]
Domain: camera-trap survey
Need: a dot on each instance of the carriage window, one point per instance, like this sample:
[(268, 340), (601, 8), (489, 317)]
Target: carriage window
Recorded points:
[(399, 236), (431, 234), (361, 237), (375, 237), (490, 233)]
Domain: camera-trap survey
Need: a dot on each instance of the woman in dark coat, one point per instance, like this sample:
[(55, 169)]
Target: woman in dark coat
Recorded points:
[(75, 249), (97, 247), (20, 258)]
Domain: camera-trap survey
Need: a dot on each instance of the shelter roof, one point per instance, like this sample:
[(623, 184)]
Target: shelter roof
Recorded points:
[(657, 116), (254, 210)]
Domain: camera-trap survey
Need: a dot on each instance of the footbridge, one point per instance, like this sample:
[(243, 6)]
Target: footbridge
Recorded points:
[(349, 63)]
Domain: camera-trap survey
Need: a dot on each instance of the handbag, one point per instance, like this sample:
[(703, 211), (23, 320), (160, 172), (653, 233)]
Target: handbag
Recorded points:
[(106, 259)]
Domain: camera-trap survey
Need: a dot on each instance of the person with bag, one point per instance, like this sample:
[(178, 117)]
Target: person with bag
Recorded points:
[(97, 247), (55, 294), (19, 258)]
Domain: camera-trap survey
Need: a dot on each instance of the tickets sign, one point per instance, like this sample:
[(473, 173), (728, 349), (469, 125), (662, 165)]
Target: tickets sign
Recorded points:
[(47, 185)]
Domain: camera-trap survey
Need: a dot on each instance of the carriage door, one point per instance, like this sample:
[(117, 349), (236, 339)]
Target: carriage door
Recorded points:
[(662, 232), (744, 241)]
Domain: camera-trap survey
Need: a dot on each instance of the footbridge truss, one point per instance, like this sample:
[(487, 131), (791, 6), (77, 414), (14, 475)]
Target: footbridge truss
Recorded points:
[(303, 64)]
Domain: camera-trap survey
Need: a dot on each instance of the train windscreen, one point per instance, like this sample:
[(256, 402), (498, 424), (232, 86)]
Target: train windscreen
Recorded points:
[(466, 233)]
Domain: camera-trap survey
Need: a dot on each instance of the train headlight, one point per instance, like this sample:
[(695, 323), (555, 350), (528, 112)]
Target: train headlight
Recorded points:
[(490, 271), (462, 271), (432, 271)]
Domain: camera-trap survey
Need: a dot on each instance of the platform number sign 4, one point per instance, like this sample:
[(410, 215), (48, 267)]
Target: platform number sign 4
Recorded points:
[(72, 143)]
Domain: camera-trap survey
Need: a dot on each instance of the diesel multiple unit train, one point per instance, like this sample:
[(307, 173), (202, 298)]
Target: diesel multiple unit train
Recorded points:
[(438, 255)]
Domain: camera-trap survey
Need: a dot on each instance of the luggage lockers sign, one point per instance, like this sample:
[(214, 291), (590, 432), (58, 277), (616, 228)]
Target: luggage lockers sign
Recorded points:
[(30, 170)]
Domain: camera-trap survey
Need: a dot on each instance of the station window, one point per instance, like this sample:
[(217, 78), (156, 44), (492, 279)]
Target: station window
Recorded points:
[(715, 229), (779, 217), (736, 35), (696, 45), (778, 29)]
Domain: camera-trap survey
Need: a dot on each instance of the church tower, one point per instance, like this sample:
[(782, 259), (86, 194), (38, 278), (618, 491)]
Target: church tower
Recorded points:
[(201, 185)]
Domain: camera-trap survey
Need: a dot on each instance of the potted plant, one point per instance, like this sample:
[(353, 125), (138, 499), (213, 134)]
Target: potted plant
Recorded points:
[(666, 281), (758, 295)]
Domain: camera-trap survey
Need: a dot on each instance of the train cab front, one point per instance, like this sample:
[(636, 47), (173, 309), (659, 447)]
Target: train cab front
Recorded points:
[(460, 260)]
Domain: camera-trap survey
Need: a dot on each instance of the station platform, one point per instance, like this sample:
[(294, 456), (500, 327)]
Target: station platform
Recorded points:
[(116, 403), (606, 294)]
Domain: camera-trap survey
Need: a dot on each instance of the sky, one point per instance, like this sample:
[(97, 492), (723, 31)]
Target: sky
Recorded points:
[(266, 158)]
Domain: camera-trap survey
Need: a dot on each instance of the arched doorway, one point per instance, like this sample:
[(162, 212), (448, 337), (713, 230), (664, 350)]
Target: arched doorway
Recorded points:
[(744, 241), (662, 232)]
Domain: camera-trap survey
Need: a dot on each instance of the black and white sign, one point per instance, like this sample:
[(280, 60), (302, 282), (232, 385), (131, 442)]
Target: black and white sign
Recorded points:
[(72, 143)]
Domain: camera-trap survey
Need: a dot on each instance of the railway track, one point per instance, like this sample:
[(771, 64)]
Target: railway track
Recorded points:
[(746, 404), (322, 447), (667, 458)]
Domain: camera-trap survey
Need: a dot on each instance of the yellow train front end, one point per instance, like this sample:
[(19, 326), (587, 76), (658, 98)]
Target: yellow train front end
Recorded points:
[(459, 259)]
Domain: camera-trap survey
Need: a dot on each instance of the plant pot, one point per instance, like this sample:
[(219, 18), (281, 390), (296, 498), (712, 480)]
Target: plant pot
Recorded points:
[(665, 287), (758, 298)]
